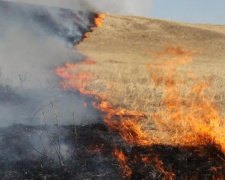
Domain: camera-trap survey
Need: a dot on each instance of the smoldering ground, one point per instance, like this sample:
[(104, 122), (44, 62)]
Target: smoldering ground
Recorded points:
[(34, 41)]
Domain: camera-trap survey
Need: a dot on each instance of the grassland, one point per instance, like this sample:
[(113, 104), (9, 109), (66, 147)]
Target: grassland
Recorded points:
[(122, 48)]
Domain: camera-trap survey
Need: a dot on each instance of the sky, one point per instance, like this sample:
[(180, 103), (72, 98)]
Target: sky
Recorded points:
[(193, 11)]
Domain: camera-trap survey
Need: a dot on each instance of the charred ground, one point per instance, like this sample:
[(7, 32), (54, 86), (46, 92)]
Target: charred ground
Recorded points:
[(88, 155)]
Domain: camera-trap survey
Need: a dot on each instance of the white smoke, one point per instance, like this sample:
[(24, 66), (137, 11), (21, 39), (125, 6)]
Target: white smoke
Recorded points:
[(126, 7), (69, 4)]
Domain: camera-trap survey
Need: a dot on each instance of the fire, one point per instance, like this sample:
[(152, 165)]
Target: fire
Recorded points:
[(186, 116), (85, 35), (98, 20), (72, 80), (126, 123), (127, 172)]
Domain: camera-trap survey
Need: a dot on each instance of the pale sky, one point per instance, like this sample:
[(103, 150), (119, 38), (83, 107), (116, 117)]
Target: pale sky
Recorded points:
[(193, 11)]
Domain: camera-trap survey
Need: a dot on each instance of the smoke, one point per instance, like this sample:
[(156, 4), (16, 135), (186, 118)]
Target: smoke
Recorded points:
[(37, 37), (127, 7), (34, 40), (68, 4)]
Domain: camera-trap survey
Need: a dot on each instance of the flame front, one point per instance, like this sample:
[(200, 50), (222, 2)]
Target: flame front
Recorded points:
[(186, 116)]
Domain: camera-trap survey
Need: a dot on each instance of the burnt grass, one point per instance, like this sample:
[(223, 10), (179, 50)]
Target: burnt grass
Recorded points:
[(86, 153)]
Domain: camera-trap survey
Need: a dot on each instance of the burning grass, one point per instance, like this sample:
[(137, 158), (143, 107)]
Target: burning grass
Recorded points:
[(162, 121), (98, 20), (164, 109), (89, 155), (173, 92), (182, 112)]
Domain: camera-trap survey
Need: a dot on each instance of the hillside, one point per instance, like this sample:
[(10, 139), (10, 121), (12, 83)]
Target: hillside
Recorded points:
[(122, 47), (133, 36), (158, 83)]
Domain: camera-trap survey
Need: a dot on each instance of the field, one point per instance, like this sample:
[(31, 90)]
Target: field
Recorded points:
[(122, 49), (118, 97), (133, 58)]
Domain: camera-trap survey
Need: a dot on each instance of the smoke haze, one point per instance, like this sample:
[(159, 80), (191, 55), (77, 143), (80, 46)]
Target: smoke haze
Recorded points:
[(36, 38), (34, 41), (127, 7)]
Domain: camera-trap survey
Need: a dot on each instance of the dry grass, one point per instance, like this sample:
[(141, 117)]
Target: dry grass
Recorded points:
[(122, 49)]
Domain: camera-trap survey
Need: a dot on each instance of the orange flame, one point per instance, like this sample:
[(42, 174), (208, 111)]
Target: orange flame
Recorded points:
[(158, 165), (74, 81), (98, 20), (127, 172), (126, 123), (189, 119), (186, 116)]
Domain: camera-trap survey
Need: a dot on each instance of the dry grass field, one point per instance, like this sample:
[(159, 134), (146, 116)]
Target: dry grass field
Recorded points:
[(131, 51), (122, 48)]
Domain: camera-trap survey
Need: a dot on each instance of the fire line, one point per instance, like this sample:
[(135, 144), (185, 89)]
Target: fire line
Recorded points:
[(186, 118)]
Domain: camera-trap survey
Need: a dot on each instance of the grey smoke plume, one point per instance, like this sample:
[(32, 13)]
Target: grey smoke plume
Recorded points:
[(34, 40), (128, 7), (68, 4)]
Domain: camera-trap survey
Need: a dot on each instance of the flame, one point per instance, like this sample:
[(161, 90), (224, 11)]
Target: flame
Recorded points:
[(185, 117), (126, 123), (158, 165), (127, 172), (150, 160), (74, 81), (98, 20), (85, 35)]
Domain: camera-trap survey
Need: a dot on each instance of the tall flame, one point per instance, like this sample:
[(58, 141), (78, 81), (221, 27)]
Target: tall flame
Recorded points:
[(187, 115)]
